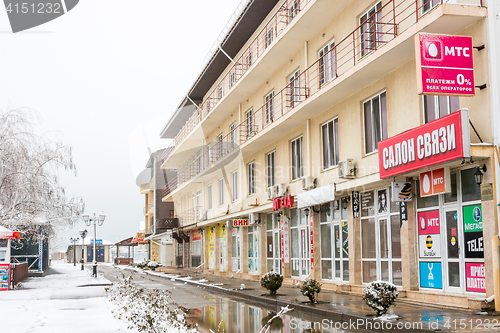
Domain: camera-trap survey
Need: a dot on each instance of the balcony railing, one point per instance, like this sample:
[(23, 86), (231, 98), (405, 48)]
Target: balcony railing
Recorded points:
[(380, 28), (189, 216)]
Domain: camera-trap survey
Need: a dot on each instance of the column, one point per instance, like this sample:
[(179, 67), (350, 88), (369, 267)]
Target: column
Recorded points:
[(409, 251), (354, 230)]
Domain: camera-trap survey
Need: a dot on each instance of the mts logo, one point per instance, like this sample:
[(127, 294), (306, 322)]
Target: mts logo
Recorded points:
[(433, 222), (438, 181), (457, 51)]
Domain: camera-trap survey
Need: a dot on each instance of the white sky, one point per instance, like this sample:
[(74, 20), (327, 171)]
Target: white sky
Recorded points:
[(100, 77)]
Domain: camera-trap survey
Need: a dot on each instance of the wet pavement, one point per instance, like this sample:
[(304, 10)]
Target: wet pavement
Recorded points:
[(341, 308)]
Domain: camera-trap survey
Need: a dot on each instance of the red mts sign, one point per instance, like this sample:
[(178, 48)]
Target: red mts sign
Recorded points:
[(445, 65), (439, 141), (284, 202), (435, 182)]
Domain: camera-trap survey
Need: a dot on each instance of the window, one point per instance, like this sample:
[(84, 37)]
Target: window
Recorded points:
[(221, 191), (271, 168), (249, 59), (439, 106), (330, 141), (428, 4), (251, 178), (375, 118), (250, 123), (232, 136), (294, 89), (293, 10), (220, 93), (269, 36), (209, 196), (327, 64), (234, 177), (269, 107), (371, 29), (297, 164), (232, 79), (209, 107), (219, 147)]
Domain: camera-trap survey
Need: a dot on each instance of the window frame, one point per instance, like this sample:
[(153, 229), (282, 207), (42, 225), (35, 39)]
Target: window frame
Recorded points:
[(297, 158), (437, 106), (209, 196), (271, 170), (294, 89), (235, 186), (334, 146), (250, 122), (220, 181), (327, 57), (383, 130), (269, 37), (251, 178), (269, 107), (371, 41)]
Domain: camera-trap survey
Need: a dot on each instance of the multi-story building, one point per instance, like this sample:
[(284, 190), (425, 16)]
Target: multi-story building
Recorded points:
[(158, 215), (276, 147)]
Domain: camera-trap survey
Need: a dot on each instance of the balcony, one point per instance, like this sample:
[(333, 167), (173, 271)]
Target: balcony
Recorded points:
[(376, 47), (189, 217)]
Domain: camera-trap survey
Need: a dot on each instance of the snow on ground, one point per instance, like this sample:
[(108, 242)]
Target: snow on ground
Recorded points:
[(59, 302)]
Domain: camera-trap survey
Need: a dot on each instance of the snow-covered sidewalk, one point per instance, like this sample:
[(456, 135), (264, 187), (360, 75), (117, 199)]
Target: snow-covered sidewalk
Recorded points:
[(67, 299)]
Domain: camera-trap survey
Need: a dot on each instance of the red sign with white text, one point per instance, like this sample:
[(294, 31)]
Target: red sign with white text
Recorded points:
[(10, 235), (283, 202), (428, 223), (240, 223), (475, 277), (435, 182), (445, 65), (439, 141), (311, 239)]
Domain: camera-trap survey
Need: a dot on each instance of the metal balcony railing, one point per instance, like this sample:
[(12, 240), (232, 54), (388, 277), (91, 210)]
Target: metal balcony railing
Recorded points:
[(380, 28), (189, 216)]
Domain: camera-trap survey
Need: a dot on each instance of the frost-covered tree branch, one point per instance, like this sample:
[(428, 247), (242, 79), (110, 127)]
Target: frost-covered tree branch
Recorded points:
[(30, 193)]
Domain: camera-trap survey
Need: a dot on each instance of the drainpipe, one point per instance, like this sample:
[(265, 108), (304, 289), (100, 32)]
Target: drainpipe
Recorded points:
[(493, 51)]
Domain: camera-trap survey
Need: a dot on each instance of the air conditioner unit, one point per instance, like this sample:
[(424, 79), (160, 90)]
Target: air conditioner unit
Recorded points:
[(271, 192), (202, 215), (308, 183), (253, 218), (347, 169), (281, 190)]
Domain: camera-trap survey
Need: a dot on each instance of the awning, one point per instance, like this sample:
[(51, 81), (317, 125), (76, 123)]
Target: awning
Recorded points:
[(317, 196)]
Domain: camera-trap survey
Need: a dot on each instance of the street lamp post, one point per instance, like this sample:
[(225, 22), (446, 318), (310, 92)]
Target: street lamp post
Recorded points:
[(83, 234), (74, 241), (95, 220)]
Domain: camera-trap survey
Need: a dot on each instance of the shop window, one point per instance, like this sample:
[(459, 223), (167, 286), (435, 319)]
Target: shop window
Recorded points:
[(375, 121), (297, 162), (452, 196), (335, 241), (371, 29), (253, 250), (470, 190), (273, 236), (330, 142), (425, 202), (436, 107)]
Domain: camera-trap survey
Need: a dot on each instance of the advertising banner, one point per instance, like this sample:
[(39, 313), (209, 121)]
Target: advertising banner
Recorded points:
[(431, 275), (311, 239), (355, 204), (285, 246), (222, 230), (211, 247), (473, 231), (435, 182), (438, 141), (429, 234), (475, 277), (155, 252), (196, 234), (4, 276), (401, 191), (445, 65)]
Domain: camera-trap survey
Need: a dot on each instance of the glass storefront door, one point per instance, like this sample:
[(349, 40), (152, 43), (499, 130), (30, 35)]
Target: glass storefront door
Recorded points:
[(253, 250), (300, 243), (273, 250), (235, 249)]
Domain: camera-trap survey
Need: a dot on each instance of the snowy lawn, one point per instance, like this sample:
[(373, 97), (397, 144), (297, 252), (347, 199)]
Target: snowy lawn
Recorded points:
[(56, 304)]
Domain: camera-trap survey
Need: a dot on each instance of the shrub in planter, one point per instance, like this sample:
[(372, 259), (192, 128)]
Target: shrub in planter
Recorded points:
[(153, 265), (272, 281), (380, 296), (310, 288), (142, 264)]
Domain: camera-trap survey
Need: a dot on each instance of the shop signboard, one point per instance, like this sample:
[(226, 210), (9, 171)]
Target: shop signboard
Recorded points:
[(211, 247), (222, 230), (445, 65), (98, 241), (10, 235), (403, 213), (431, 275), (401, 191), (285, 246), (435, 182), (473, 231), (442, 140), (429, 234), (475, 277), (283, 202), (355, 204), (241, 223), (196, 234), (155, 251), (4, 276), (311, 239)]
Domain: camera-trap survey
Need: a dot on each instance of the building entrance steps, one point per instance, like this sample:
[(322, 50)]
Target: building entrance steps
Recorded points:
[(343, 307)]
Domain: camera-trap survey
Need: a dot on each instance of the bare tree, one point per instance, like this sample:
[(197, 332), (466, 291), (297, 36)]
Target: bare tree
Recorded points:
[(30, 193)]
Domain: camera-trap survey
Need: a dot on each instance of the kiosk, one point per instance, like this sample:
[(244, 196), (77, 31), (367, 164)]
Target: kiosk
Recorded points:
[(5, 237)]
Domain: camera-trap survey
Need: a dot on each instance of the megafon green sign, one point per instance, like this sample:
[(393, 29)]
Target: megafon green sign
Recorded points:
[(473, 218)]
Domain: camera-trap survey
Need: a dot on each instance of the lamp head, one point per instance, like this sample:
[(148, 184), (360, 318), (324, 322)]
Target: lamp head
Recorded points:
[(86, 218), (102, 216)]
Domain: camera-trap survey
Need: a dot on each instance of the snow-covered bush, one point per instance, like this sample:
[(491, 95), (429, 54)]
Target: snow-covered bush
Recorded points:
[(380, 296), (153, 265), (310, 288), (146, 310), (272, 281), (142, 264)]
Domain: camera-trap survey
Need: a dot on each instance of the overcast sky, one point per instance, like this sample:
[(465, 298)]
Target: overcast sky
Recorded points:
[(100, 78)]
